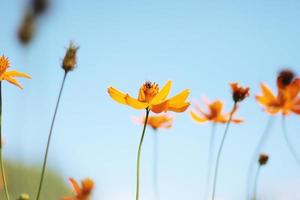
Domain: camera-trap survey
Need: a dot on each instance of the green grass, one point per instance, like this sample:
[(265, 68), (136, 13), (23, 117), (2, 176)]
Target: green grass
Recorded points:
[(23, 178)]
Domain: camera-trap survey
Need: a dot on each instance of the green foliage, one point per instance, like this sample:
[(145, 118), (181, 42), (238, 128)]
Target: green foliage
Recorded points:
[(25, 179)]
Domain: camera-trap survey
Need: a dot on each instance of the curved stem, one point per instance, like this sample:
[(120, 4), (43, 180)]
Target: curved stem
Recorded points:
[(255, 155), (220, 151), (210, 159), (288, 142), (1, 153), (155, 164), (49, 138), (256, 183), (139, 156)]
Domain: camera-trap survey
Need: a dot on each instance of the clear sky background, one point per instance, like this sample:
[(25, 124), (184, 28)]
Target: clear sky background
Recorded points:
[(200, 45)]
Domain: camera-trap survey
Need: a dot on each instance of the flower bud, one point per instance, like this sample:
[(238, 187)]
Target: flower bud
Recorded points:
[(263, 159), (69, 61)]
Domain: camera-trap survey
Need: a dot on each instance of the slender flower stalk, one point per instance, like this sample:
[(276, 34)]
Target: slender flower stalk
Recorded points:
[(256, 182), (220, 151), (155, 164), (210, 159), (1, 153), (9, 76), (238, 94), (49, 138), (262, 161), (139, 156), (68, 65), (264, 137), (288, 142)]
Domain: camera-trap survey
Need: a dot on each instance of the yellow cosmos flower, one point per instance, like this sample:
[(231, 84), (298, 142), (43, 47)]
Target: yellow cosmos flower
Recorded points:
[(214, 113), (287, 100), (9, 75), (156, 121), (83, 192), (152, 98)]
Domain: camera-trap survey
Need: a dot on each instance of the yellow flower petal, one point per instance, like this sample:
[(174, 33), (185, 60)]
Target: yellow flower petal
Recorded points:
[(163, 93), (117, 95), (179, 98), (267, 93), (135, 103), (13, 81), (17, 74), (158, 108), (178, 107), (196, 118)]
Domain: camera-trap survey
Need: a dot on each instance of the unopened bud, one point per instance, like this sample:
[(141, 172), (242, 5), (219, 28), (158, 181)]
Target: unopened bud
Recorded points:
[(69, 62)]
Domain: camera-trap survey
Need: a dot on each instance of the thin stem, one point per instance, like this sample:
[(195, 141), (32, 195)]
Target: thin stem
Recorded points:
[(264, 137), (288, 142), (256, 182), (49, 137), (155, 164), (1, 153), (220, 151), (139, 156), (210, 159)]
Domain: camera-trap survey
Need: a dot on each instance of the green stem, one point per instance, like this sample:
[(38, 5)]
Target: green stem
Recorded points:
[(220, 151), (155, 164), (139, 156), (1, 153), (256, 182), (255, 155), (49, 138), (210, 159), (289, 143)]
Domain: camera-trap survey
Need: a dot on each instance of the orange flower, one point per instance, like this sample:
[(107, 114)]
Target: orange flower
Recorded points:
[(287, 99), (157, 121), (239, 93), (214, 113), (83, 192), (9, 75), (150, 97)]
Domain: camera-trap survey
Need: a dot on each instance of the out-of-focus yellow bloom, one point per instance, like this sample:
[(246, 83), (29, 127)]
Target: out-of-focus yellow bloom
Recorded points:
[(214, 113), (239, 93), (287, 99), (150, 97), (157, 121), (83, 192), (9, 75)]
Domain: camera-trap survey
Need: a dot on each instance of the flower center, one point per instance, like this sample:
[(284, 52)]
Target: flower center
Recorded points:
[(4, 64), (148, 91)]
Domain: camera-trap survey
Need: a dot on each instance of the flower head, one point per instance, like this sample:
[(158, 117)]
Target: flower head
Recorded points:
[(287, 99), (9, 75), (214, 113), (239, 93), (157, 121), (70, 60), (27, 27), (263, 159), (83, 192), (152, 98)]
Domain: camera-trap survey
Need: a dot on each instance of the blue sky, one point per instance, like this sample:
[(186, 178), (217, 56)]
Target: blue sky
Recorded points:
[(200, 45)]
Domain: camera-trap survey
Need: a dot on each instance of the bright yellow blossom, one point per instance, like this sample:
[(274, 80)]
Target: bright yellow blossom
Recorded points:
[(287, 99), (214, 113), (9, 75), (152, 98)]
